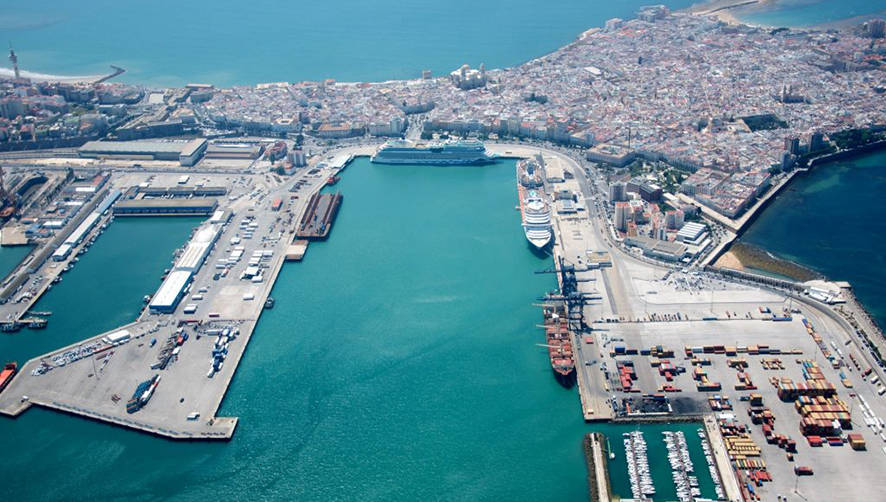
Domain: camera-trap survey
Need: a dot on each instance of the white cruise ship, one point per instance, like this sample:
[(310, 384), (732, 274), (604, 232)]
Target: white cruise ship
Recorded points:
[(537, 220), (403, 151)]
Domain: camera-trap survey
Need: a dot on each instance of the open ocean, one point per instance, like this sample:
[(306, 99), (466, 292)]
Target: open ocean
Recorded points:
[(228, 42)]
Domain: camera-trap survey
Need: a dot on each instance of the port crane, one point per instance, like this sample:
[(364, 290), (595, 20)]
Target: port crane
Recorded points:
[(569, 294)]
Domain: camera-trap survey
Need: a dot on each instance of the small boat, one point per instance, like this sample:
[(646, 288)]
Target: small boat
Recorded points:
[(35, 322), (269, 303), (332, 180), (9, 326)]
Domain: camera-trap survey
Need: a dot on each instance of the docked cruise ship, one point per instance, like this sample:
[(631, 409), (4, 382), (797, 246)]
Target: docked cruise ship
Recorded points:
[(403, 151), (534, 209)]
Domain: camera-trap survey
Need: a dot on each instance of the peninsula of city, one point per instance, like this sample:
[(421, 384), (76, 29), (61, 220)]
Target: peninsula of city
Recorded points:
[(640, 153)]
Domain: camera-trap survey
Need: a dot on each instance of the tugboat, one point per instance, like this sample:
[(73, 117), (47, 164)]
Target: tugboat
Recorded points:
[(269, 303)]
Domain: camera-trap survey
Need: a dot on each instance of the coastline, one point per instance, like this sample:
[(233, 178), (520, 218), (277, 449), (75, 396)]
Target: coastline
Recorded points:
[(734, 11), (45, 77), (743, 257), (722, 9)]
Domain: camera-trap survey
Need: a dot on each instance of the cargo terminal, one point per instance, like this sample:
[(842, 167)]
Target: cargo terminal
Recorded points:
[(200, 318), (781, 384)]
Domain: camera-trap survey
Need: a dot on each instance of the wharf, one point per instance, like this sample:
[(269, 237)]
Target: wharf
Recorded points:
[(13, 235), (724, 466), (593, 390), (598, 475), (319, 216), (296, 251), (97, 378), (13, 312), (82, 388)]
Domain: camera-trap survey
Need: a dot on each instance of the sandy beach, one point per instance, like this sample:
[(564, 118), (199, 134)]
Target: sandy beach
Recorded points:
[(42, 77)]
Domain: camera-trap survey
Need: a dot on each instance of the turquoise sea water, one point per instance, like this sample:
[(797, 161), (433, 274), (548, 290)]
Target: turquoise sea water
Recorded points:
[(399, 363), (831, 220), (228, 42), (801, 13), (10, 257)]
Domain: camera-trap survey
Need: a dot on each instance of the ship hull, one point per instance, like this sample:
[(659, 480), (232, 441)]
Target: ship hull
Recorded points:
[(6, 375), (539, 234), (432, 161), (567, 379), (539, 242)]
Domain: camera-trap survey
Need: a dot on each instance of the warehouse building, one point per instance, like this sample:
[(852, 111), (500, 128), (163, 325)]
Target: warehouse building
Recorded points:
[(192, 152), (187, 153), (245, 151), (664, 250), (198, 249), (174, 287), (692, 233), (181, 191), (166, 207), (171, 292)]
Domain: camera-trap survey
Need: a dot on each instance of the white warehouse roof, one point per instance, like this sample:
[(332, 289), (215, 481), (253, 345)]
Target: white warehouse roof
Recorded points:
[(168, 294), (691, 230), (198, 248), (81, 230)]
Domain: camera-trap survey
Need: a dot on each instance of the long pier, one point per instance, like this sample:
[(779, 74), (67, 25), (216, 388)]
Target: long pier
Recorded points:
[(99, 376), (598, 472), (117, 71)]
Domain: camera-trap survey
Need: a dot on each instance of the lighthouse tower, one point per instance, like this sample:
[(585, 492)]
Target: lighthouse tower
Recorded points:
[(14, 60)]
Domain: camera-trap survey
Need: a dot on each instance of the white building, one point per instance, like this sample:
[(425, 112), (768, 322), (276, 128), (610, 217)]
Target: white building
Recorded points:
[(692, 233), (465, 78)]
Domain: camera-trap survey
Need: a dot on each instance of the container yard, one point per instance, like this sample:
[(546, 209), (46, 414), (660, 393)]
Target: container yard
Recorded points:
[(788, 396), (777, 396)]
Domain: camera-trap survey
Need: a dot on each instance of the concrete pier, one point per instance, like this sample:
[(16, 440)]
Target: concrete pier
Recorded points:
[(598, 476), (727, 474), (319, 216), (97, 378)]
